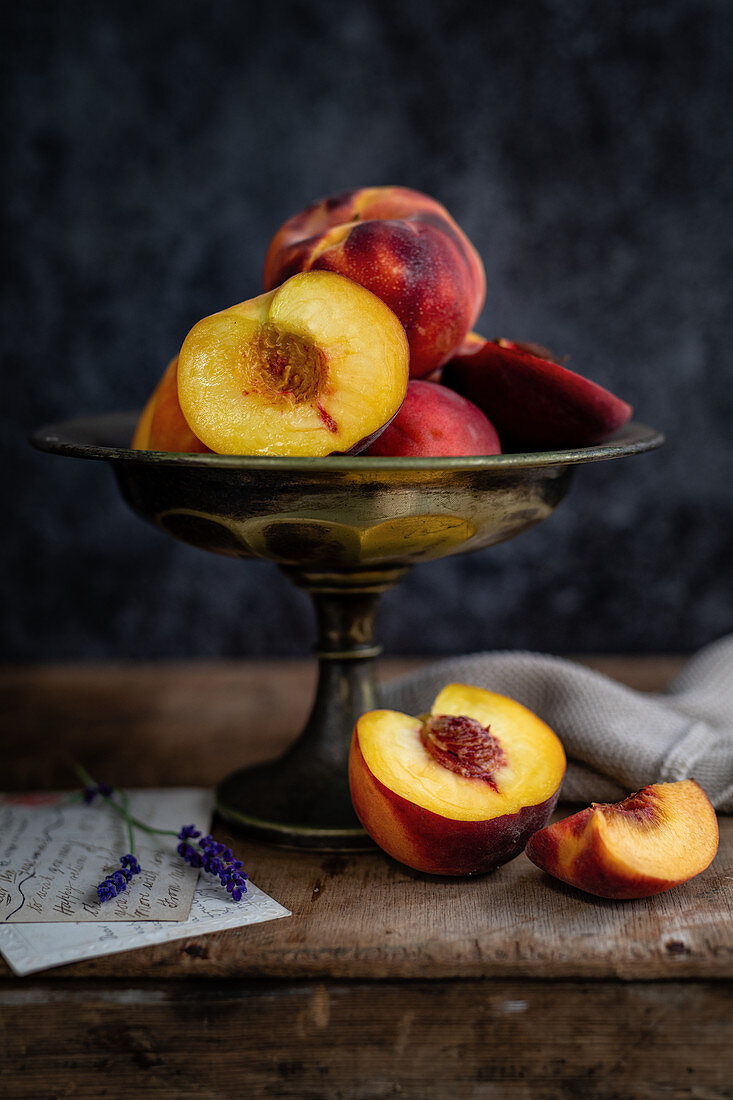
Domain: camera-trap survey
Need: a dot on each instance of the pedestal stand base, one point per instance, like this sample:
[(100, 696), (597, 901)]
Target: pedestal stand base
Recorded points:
[(271, 790)]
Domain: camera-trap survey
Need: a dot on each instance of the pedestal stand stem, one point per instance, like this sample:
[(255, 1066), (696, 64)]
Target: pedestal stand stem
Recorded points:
[(302, 800)]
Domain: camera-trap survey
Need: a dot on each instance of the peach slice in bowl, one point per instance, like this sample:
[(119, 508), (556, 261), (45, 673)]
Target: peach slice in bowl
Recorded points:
[(533, 402), (458, 791)]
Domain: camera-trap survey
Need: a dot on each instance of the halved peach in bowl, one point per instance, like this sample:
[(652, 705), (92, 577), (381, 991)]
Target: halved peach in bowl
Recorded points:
[(655, 839), (318, 366), (458, 791)]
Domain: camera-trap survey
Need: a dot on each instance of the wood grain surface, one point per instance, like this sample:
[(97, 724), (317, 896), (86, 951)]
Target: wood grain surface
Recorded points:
[(363, 916), (360, 916), (316, 1041), (384, 982)]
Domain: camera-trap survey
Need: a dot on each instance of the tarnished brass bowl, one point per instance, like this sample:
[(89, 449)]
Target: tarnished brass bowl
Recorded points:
[(345, 529)]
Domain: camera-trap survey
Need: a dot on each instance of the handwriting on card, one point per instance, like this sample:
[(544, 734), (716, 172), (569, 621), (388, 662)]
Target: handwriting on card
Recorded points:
[(54, 853)]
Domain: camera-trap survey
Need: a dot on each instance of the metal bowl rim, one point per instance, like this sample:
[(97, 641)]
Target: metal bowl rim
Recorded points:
[(68, 438)]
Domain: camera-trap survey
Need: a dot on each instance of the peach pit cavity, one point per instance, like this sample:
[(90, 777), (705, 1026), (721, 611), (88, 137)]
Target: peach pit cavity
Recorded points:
[(284, 364), (462, 745)]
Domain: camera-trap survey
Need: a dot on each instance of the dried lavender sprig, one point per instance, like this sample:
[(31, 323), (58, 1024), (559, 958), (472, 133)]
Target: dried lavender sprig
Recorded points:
[(91, 791), (214, 858), (116, 882), (108, 795)]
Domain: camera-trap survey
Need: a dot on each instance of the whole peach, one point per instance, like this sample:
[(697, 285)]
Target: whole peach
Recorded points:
[(433, 421), (405, 248)]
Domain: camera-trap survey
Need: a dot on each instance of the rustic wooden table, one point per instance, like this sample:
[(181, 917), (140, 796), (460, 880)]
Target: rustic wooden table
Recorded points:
[(384, 981)]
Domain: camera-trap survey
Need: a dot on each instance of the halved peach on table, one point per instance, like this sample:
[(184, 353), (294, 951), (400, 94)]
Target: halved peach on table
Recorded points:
[(533, 402), (404, 247), (458, 791), (655, 839), (318, 366)]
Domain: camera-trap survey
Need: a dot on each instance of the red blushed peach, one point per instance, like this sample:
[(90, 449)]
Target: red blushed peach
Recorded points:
[(433, 422), (401, 245), (655, 839), (162, 425), (458, 791), (534, 403), (317, 366)]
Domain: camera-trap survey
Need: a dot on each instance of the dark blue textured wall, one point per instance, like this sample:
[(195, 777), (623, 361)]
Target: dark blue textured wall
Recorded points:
[(151, 151)]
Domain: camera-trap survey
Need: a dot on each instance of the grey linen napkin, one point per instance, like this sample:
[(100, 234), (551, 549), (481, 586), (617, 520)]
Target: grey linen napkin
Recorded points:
[(616, 739)]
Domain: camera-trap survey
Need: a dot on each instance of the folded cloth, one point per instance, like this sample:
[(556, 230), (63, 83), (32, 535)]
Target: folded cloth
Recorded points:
[(616, 739)]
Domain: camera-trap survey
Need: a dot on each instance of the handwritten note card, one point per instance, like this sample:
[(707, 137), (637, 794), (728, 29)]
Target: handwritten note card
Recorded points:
[(28, 948), (54, 853)]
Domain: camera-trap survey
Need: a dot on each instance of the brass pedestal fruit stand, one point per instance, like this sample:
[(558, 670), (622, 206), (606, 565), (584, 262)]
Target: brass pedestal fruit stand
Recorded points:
[(345, 529)]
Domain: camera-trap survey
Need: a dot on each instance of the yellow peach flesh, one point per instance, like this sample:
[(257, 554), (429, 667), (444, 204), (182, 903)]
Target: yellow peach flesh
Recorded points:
[(351, 346), (676, 840), (393, 751)]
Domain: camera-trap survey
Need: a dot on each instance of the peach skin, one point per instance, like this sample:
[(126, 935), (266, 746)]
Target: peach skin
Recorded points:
[(433, 422), (655, 839), (458, 791), (534, 403), (405, 248), (317, 366)]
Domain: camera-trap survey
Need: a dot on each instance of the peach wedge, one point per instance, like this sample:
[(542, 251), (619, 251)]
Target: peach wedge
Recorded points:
[(458, 791), (655, 839), (318, 366), (534, 403)]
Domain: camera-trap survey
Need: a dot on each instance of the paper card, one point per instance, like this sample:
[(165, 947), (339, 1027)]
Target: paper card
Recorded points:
[(28, 948), (53, 855)]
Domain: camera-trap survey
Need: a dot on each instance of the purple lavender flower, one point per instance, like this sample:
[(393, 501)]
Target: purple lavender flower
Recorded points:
[(197, 850), (117, 881), (214, 858), (130, 866), (91, 792), (189, 854), (106, 890), (187, 850)]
